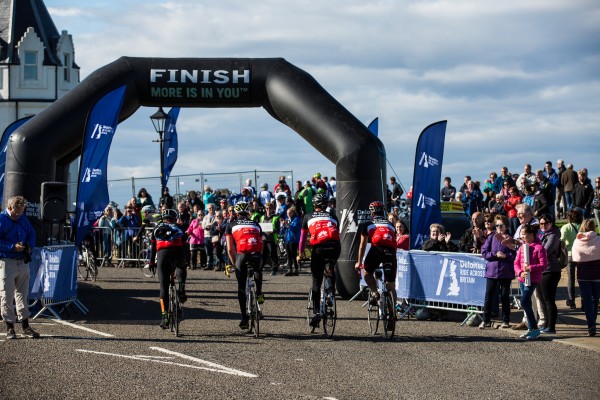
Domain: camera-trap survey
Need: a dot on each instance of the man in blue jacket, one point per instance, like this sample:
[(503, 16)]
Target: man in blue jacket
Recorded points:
[(17, 238)]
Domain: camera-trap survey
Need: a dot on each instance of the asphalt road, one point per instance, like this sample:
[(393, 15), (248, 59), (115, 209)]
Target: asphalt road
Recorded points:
[(118, 351)]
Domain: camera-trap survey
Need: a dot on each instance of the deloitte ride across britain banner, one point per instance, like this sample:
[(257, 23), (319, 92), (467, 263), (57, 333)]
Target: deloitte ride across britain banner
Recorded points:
[(426, 183), (92, 190), (170, 145), (452, 278)]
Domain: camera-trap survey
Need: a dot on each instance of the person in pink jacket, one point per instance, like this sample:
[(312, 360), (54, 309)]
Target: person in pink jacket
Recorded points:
[(586, 253), (196, 234), (538, 262)]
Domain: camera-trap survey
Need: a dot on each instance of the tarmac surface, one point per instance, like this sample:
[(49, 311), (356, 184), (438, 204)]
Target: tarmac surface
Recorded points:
[(117, 350)]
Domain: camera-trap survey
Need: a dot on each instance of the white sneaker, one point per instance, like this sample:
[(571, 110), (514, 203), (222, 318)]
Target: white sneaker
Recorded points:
[(505, 325), (527, 333)]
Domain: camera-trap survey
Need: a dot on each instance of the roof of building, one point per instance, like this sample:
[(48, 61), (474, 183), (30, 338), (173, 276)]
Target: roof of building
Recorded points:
[(16, 16)]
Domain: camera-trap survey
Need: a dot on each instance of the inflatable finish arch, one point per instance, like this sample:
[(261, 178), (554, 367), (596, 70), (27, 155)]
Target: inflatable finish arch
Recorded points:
[(40, 150)]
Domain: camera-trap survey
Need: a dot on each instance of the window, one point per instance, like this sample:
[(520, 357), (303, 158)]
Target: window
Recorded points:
[(67, 67), (31, 65)]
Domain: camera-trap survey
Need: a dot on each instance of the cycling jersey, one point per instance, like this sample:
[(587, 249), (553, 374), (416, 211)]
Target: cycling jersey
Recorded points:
[(322, 226), (246, 234), (380, 231)]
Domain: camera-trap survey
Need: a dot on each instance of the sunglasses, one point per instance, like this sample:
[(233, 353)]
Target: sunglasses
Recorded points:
[(500, 225)]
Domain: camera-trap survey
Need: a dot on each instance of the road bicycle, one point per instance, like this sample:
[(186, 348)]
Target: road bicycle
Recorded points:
[(175, 310), (382, 312), (143, 260), (253, 308), (327, 311), (86, 266)]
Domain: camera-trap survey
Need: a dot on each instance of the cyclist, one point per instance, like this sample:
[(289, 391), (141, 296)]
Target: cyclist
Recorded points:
[(325, 243), (382, 235), (244, 247), (169, 252)]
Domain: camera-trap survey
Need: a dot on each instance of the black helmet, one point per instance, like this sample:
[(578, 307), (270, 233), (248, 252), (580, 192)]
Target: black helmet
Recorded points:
[(320, 201), (170, 215), (241, 207), (376, 208)]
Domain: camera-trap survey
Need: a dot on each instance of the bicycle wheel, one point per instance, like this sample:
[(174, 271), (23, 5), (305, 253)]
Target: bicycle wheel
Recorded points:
[(91, 267), (389, 317), (82, 266), (254, 312), (329, 316), (309, 311), (143, 263), (172, 295), (176, 313), (373, 316)]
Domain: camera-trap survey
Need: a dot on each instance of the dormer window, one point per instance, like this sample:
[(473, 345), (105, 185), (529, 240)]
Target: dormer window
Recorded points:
[(31, 66)]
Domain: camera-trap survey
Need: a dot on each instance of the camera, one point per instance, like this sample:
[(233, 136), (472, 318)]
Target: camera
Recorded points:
[(26, 252)]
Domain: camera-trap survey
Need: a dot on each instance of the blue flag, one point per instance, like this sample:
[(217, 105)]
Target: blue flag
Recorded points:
[(3, 145), (92, 190), (426, 183), (374, 126), (170, 145)]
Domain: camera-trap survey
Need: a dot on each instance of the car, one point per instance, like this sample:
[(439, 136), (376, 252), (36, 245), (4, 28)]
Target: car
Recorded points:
[(454, 220)]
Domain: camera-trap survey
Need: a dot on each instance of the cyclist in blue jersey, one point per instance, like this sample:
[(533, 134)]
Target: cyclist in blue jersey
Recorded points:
[(168, 255)]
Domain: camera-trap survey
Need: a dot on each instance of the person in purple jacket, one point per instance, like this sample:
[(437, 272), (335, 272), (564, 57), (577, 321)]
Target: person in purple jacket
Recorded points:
[(499, 271), (537, 263)]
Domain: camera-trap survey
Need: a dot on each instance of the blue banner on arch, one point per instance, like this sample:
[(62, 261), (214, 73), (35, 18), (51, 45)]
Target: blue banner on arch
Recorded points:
[(426, 183), (92, 190), (170, 145)]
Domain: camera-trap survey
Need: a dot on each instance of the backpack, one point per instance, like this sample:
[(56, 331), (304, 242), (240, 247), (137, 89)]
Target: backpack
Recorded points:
[(563, 255)]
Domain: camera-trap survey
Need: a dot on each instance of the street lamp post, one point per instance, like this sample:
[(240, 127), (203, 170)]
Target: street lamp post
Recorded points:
[(159, 119)]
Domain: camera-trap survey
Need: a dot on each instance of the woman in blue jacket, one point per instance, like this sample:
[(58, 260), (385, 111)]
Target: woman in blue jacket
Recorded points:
[(292, 239), (499, 271)]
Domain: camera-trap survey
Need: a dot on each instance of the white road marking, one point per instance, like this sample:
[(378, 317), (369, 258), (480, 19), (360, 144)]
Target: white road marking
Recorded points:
[(221, 368), (329, 398), (212, 367), (150, 360), (156, 357), (84, 328)]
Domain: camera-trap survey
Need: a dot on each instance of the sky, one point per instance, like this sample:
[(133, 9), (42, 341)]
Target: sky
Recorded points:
[(517, 81)]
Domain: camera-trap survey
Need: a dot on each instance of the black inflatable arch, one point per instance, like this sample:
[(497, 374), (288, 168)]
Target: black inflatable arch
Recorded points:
[(41, 149)]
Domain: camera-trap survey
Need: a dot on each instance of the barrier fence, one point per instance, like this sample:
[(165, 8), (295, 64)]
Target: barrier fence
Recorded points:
[(121, 190)]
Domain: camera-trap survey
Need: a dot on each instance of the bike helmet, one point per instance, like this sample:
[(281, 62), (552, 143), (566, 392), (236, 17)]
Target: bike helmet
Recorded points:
[(148, 209), (320, 201), (170, 215), (264, 186), (376, 207), (241, 207)]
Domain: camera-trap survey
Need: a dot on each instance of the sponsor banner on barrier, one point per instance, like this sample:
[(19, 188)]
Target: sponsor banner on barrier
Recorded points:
[(53, 273), (443, 277)]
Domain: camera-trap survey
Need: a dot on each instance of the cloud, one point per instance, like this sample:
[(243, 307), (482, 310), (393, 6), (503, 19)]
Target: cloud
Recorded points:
[(517, 81)]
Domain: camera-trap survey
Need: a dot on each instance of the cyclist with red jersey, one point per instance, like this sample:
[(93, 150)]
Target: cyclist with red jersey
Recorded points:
[(325, 243), (244, 247), (168, 249), (382, 236)]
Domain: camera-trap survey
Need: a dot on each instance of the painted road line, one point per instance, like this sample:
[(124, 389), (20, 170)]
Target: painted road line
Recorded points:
[(153, 360), (208, 363), (84, 328)]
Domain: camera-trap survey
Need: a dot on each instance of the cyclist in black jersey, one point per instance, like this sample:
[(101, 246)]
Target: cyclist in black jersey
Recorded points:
[(168, 255), (325, 243), (244, 247), (382, 236)]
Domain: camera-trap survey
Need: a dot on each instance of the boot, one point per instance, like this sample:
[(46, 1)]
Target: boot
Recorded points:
[(181, 293), (10, 331), (27, 331)]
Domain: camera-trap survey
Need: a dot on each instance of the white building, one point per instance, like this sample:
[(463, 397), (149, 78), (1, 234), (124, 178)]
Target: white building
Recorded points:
[(37, 64)]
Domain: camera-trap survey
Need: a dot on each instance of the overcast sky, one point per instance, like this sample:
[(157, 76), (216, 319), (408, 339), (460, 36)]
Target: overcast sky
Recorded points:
[(518, 81)]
